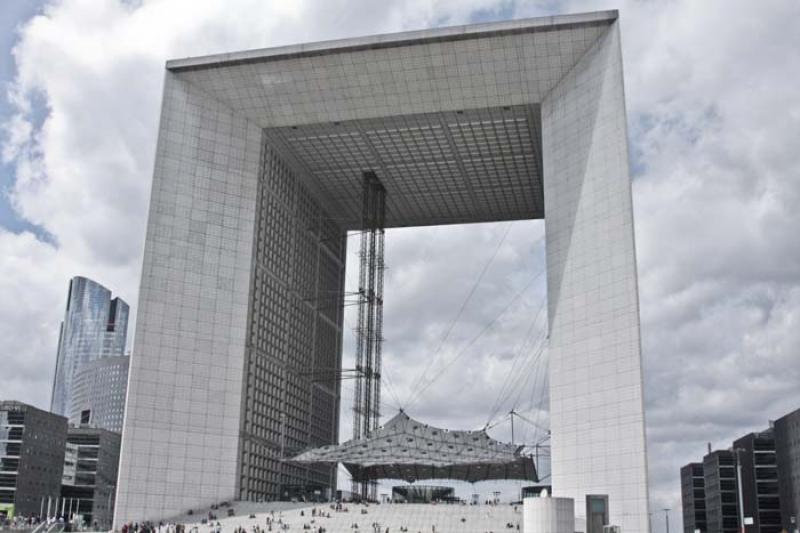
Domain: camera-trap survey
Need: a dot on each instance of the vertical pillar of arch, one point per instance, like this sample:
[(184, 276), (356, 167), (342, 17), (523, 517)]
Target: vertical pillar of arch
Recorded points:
[(180, 436), (596, 402)]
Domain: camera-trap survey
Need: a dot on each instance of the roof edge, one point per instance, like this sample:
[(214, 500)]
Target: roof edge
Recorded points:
[(389, 40)]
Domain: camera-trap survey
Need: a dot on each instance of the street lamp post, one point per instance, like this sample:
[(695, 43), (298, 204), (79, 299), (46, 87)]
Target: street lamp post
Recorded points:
[(666, 517)]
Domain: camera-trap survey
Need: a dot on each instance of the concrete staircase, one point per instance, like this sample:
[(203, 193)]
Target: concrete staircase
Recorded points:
[(415, 518)]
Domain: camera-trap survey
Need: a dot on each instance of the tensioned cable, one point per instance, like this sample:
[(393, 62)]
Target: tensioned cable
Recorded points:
[(474, 339), (418, 382), (537, 359), (516, 375), (540, 369), (389, 404), (528, 420), (499, 421), (530, 404), (520, 379), (512, 375), (387, 381)]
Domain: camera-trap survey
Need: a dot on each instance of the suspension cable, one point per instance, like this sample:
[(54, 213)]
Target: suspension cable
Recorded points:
[(521, 379), (474, 339), (534, 388), (537, 359), (390, 388), (420, 379), (509, 383)]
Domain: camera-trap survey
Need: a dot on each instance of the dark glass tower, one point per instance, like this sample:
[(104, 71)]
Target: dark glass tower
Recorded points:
[(693, 496), (722, 508), (760, 495), (787, 452)]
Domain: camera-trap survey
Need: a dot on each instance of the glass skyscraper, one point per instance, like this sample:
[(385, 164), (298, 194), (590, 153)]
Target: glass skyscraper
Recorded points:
[(94, 326)]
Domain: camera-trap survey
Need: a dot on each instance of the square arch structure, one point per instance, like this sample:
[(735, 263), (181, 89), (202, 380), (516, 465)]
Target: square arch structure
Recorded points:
[(257, 181)]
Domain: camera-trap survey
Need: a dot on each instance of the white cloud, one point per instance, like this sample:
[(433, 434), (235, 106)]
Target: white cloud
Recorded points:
[(83, 172), (29, 281), (714, 121)]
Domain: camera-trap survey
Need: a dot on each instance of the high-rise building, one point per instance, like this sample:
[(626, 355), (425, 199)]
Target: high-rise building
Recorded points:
[(722, 508), (258, 179), (116, 329), (787, 451), (760, 498), (31, 459), (769, 461), (98, 394), (693, 496), (94, 326), (90, 475)]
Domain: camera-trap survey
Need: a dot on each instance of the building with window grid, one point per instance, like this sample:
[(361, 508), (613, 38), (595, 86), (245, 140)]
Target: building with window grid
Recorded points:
[(98, 394), (722, 507), (89, 488), (94, 326), (693, 496), (257, 182), (787, 454), (31, 459), (770, 465), (760, 495)]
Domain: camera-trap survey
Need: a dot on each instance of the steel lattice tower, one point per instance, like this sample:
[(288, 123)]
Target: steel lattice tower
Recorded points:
[(367, 398)]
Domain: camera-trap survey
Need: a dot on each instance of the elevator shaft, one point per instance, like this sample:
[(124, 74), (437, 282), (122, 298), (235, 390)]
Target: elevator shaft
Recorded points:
[(367, 397)]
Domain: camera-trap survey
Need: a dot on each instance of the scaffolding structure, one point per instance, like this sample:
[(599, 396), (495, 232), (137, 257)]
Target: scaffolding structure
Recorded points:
[(367, 397)]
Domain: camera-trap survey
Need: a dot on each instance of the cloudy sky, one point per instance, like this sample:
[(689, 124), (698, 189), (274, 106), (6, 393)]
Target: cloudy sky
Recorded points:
[(714, 117)]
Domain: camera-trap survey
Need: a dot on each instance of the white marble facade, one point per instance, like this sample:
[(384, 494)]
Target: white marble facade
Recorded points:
[(596, 402), (555, 83), (180, 436)]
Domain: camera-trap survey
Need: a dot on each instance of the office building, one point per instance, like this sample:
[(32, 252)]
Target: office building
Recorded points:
[(31, 459), (722, 508), (94, 326), (787, 451), (90, 475), (258, 178), (98, 394), (116, 333), (770, 481), (693, 496), (760, 498), (70, 464)]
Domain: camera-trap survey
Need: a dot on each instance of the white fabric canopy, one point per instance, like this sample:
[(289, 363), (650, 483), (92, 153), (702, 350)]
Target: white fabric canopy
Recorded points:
[(407, 449)]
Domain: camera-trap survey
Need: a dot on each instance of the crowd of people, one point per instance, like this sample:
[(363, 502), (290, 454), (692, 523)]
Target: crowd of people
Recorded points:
[(312, 520), (19, 522), (22, 523), (161, 527)]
